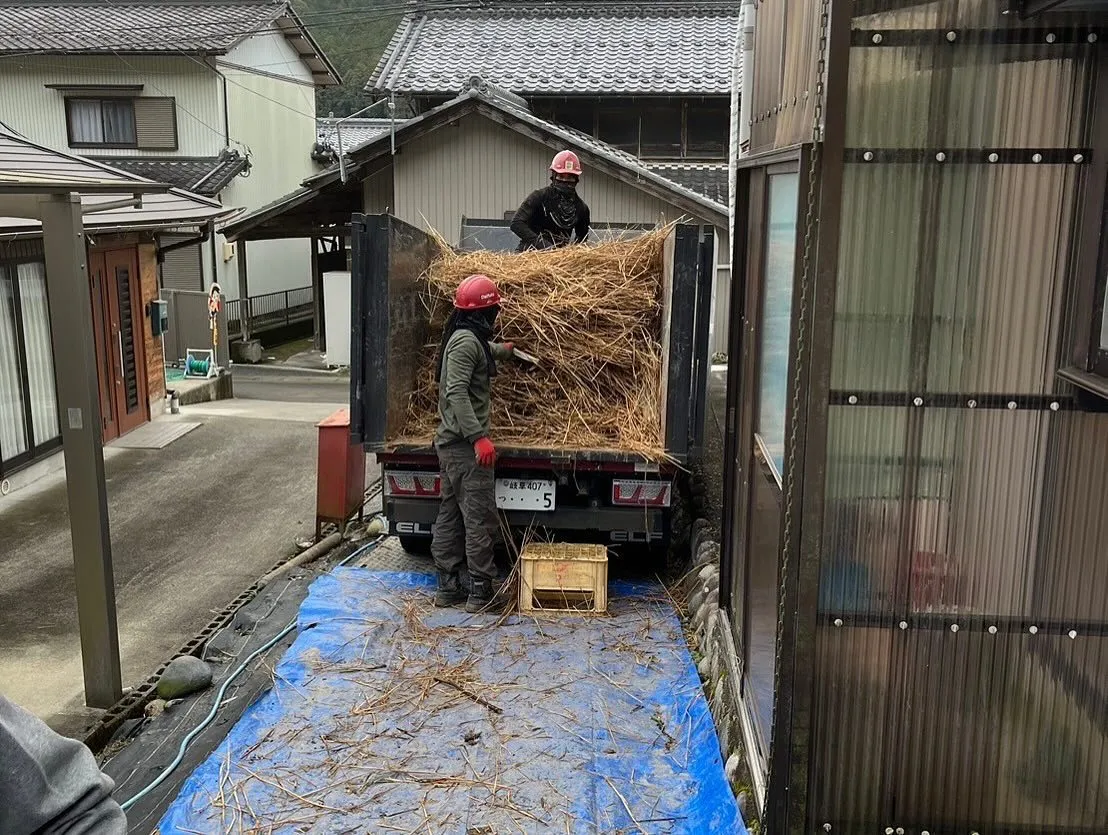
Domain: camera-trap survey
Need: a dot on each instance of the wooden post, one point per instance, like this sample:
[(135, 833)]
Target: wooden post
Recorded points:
[(244, 292), (317, 299)]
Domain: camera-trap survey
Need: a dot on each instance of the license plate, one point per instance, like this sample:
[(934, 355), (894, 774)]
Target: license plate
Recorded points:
[(524, 494)]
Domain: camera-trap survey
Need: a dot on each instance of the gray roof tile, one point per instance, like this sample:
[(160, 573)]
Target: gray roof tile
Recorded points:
[(211, 26), (200, 175), (355, 132), (672, 49), (709, 179)]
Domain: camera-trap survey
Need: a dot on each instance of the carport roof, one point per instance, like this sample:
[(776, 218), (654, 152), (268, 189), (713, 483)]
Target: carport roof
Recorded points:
[(28, 170)]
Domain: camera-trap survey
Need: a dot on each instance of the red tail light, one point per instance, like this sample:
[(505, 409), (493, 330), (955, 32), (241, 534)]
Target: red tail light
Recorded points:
[(642, 493), (413, 485)]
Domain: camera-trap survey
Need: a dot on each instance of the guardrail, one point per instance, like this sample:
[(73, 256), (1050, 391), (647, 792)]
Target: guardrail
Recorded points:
[(269, 310)]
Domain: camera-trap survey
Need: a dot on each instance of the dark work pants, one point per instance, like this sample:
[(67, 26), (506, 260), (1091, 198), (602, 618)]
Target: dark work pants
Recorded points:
[(463, 532)]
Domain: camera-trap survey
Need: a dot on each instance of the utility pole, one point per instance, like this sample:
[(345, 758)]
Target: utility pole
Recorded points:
[(78, 392)]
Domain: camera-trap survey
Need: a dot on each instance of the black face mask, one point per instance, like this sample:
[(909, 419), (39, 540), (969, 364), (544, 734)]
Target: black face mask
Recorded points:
[(565, 186), (480, 322)]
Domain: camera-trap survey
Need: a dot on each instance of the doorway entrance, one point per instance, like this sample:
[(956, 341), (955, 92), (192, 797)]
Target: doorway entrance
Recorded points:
[(117, 318)]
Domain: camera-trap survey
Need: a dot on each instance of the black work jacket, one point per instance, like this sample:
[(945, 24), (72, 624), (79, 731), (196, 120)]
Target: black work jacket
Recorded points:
[(534, 223)]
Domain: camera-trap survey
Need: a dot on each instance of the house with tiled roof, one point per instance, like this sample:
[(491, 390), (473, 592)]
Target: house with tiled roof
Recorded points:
[(463, 167), (213, 96), (652, 79)]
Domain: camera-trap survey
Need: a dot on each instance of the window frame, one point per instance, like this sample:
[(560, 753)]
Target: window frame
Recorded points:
[(69, 100), (743, 464), (1083, 360)]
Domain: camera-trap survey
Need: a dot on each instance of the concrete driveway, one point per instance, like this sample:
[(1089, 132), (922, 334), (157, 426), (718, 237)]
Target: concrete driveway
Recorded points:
[(192, 525)]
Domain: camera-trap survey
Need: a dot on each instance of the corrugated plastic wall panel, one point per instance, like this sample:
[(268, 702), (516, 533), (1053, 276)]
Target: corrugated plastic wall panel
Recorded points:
[(962, 672)]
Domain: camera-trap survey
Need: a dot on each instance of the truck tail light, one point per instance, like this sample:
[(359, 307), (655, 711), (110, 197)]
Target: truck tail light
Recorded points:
[(413, 485), (642, 493)]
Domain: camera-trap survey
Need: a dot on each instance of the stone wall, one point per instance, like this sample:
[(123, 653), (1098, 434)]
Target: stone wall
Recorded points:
[(711, 643)]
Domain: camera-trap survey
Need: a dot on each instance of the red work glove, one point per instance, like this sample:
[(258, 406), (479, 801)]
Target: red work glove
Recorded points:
[(485, 452), (510, 347)]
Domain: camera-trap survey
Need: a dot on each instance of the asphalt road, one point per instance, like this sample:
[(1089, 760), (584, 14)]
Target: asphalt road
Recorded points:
[(192, 525), (290, 386)]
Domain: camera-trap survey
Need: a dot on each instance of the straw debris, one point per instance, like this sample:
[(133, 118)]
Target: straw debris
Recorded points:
[(592, 316)]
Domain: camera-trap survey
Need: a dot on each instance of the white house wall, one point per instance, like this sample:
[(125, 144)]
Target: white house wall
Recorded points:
[(268, 52), (274, 119), (28, 106)]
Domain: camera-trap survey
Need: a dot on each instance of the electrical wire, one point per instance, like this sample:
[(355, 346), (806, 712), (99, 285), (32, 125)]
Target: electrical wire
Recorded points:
[(218, 702)]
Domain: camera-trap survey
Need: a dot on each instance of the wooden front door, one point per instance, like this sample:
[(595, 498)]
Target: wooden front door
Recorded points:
[(118, 330)]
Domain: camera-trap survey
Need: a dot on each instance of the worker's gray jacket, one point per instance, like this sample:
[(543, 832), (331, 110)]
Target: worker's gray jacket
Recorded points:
[(50, 784), (464, 397)]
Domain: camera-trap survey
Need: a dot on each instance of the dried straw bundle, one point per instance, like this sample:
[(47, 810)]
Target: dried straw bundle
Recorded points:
[(592, 315)]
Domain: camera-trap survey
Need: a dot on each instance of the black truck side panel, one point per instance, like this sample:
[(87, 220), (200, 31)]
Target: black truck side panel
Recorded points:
[(701, 361), (389, 323), (682, 320)]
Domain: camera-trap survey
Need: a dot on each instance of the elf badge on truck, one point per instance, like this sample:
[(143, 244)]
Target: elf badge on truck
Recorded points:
[(593, 495)]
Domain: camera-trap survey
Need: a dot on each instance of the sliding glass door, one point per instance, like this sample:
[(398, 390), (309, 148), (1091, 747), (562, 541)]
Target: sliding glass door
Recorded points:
[(28, 403)]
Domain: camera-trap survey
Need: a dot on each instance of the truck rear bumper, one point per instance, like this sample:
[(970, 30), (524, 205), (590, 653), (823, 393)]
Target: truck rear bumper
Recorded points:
[(414, 518)]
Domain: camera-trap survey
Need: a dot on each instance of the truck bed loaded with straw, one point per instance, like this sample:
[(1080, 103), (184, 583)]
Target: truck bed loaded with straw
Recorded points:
[(590, 439)]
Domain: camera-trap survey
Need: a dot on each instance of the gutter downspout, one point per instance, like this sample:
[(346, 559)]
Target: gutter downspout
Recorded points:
[(745, 65), (201, 238)]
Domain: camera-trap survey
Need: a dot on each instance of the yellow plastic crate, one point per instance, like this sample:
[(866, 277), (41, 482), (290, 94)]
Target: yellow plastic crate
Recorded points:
[(564, 577)]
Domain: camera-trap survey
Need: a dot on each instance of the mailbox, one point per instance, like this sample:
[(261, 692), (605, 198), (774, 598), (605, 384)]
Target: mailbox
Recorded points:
[(159, 317)]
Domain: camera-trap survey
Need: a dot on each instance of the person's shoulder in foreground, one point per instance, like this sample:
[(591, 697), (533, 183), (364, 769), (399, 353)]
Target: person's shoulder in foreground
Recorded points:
[(51, 785)]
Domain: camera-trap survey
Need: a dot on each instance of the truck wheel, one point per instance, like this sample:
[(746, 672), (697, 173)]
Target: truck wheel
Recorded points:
[(417, 546)]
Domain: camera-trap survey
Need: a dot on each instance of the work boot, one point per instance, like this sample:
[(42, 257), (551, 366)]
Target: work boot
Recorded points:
[(485, 596), (449, 591)]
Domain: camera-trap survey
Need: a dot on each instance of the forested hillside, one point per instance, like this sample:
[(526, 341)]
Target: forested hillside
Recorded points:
[(353, 33)]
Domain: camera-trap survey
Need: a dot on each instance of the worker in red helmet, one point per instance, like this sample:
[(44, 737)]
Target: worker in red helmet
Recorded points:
[(463, 532), (554, 216)]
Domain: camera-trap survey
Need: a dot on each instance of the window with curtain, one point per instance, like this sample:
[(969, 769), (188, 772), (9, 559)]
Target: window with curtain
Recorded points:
[(39, 360), (101, 122), (13, 422)]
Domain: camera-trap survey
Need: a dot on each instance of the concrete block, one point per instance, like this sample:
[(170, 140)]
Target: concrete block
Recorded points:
[(194, 391), (249, 350)]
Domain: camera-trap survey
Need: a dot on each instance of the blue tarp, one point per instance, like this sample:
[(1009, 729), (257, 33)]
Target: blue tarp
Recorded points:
[(388, 715)]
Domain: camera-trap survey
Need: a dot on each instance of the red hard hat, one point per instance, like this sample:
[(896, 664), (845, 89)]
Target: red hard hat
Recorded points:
[(476, 293), (566, 162)]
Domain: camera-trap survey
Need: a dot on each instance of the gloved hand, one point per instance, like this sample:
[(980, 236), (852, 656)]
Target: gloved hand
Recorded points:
[(510, 347), (485, 452)]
